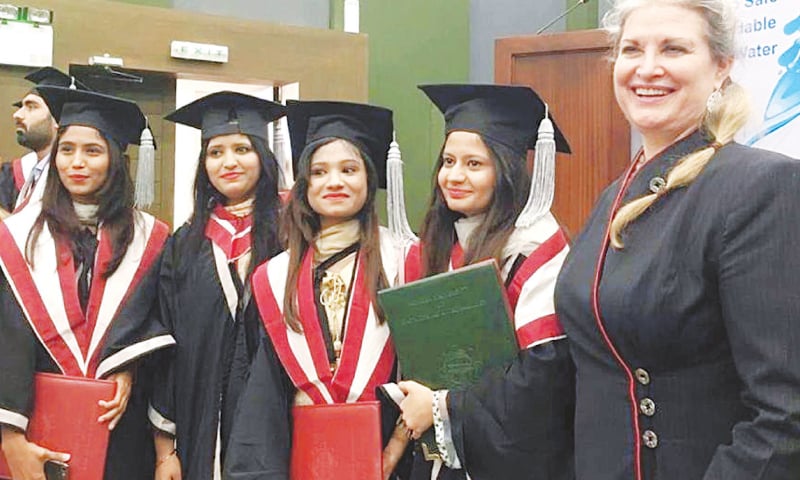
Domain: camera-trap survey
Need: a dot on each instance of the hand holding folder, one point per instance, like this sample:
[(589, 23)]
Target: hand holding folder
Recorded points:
[(64, 419), (450, 328)]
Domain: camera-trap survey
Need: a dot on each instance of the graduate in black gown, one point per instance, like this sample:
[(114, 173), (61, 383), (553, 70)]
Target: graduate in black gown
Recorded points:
[(322, 340), (204, 276), (515, 424), (79, 293)]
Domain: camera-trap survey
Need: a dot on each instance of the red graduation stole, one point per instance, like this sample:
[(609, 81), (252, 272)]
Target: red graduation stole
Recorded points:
[(229, 232), (73, 338), (367, 357)]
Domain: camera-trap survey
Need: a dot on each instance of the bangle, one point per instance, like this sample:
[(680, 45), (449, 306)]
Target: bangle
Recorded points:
[(166, 457)]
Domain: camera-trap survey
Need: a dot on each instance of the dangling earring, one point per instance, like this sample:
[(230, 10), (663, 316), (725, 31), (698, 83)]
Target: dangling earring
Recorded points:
[(212, 200), (714, 100)]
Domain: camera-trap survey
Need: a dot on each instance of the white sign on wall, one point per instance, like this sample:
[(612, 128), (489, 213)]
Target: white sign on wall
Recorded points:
[(768, 66), (26, 44)]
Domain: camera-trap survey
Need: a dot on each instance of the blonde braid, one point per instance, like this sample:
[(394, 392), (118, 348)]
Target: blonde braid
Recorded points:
[(721, 123)]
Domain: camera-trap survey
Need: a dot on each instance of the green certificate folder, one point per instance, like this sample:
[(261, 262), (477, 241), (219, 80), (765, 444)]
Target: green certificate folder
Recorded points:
[(450, 328)]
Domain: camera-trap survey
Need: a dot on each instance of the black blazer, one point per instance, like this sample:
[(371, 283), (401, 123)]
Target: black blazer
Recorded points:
[(689, 367)]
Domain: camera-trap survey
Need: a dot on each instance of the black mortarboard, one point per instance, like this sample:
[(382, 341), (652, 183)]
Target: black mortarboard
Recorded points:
[(507, 114), (117, 118), (224, 113), (49, 76), (366, 126), (52, 77)]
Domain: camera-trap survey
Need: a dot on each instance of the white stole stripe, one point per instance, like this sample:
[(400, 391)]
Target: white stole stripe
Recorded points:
[(222, 223), (132, 352), (228, 226), (118, 284), (225, 279), (372, 345), (160, 422), (243, 233), (276, 272), (45, 277), (545, 340), (13, 418), (376, 335), (536, 297)]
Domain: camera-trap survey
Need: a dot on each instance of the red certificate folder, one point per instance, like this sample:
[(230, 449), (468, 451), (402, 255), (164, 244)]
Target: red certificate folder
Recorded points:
[(337, 442), (64, 419)]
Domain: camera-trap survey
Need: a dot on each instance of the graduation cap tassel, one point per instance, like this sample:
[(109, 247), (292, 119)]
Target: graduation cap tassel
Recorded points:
[(543, 179), (395, 198), (145, 170), (279, 148)]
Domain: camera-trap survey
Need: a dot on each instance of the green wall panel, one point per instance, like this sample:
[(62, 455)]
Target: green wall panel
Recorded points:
[(583, 17), (413, 42)]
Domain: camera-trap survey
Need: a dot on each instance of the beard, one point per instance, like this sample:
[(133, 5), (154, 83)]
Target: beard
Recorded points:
[(37, 137)]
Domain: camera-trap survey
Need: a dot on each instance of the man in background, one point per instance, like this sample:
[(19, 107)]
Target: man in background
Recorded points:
[(35, 130)]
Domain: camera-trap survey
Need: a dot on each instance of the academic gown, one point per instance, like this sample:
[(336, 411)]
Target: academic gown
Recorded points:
[(260, 444), (517, 423), (686, 343), (204, 304), (9, 188), (42, 333), (12, 179)]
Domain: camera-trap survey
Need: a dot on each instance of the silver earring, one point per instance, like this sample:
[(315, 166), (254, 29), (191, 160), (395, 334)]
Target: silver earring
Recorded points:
[(713, 100)]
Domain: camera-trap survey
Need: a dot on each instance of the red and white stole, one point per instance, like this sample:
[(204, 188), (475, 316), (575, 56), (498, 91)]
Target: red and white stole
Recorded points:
[(230, 233), (47, 291), (531, 290), (367, 357), (230, 240), (19, 173)]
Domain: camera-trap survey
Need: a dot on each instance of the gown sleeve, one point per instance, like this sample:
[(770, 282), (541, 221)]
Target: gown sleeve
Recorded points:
[(17, 361), (161, 410), (137, 330), (760, 306), (260, 441), (518, 423), (8, 189)]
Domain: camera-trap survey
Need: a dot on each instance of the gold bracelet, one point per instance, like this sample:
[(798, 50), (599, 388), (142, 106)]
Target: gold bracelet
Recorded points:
[(166, 457)]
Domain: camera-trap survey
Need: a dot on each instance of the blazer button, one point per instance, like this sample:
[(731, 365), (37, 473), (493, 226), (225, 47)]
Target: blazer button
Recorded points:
[(642, 376), (657, 184), (650, 439), (647, 407)]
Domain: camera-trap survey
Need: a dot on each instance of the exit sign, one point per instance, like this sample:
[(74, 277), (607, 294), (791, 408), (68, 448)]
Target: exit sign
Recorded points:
[(203, 52)]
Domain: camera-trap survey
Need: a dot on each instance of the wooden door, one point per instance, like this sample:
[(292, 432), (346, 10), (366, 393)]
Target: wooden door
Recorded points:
[(572, 73), (155, 95)]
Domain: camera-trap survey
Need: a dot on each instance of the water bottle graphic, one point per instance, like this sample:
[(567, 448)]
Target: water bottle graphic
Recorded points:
[(784, 103)]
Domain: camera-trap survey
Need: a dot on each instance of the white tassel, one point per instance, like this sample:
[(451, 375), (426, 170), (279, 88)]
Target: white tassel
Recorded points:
[(145, 171), (395, 198), (279, 148), (543, 179)]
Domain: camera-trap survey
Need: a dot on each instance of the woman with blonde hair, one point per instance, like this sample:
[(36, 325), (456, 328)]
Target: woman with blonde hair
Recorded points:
[(676, 295)]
